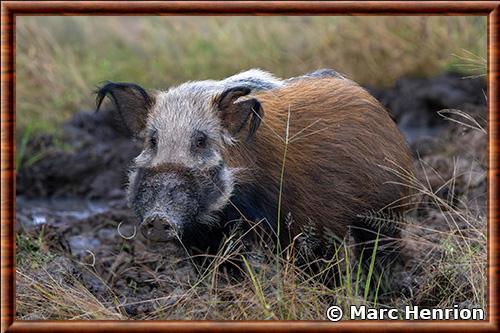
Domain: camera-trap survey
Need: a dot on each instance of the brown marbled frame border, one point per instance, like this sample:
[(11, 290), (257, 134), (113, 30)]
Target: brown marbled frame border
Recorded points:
[(9, 11)]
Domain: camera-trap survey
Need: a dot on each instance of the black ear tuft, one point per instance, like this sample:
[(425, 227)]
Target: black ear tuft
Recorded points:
[(229, 96), (235, 115), (132, 104), (256, 119)]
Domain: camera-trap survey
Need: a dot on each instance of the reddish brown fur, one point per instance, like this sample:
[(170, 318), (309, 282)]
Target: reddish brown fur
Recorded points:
[(330, 175)]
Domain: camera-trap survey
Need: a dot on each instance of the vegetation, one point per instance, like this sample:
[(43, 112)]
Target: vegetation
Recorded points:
[(60, 60)]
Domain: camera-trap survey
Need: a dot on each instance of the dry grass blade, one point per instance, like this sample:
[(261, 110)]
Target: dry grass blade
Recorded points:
[(51, 297), (468, 122), (473, 63)]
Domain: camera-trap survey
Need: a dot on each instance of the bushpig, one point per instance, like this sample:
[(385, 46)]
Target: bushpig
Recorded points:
[(312, 151)]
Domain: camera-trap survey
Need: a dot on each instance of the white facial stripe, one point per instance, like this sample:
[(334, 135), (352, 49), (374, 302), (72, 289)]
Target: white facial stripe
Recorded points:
[(143, 159), (132, 178), (227, 177)]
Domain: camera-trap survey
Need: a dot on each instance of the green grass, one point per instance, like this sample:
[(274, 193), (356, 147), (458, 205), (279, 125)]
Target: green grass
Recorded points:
[(32, 251), (60, 60), (24, 157)]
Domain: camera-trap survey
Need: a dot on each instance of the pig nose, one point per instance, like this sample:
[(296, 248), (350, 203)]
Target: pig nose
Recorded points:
[(157, 228)]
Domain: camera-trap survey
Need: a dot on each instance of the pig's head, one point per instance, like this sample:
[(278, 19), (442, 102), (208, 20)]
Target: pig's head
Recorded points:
[(181, 180)]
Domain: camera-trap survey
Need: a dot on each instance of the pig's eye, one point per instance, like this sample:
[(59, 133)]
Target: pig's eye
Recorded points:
[(153, 141), (200, 140)]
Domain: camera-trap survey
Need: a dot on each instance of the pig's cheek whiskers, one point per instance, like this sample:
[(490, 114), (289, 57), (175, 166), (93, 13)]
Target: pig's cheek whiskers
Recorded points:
[(228, 183), (142, 160), (209, 220)]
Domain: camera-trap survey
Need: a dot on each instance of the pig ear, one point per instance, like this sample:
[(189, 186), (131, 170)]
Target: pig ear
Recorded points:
[(235, 114), (132, 104)]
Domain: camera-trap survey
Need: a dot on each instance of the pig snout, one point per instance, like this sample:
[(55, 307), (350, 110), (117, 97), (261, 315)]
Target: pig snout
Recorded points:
[(166, 200), (159, 228), (171, 199)]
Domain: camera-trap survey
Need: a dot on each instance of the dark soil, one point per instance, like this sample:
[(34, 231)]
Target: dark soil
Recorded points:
[(76, 192)]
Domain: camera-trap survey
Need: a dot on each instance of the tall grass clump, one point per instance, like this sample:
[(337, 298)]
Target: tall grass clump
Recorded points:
[(447, 236), (60, 60), (55, 291)]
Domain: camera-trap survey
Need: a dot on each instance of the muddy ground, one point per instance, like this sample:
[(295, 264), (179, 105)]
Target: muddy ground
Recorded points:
[(74, 198)]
